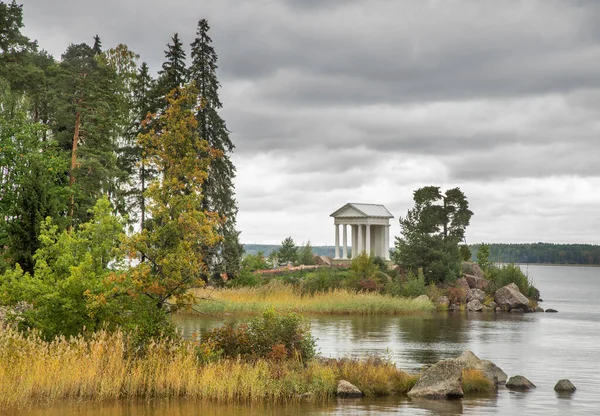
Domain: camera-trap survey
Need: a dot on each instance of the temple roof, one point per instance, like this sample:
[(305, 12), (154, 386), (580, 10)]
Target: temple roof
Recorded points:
[(362, 210)]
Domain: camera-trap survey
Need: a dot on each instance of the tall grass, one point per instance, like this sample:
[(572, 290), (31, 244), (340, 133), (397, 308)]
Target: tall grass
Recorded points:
[(101, 368), (283, 298), (474, 381)]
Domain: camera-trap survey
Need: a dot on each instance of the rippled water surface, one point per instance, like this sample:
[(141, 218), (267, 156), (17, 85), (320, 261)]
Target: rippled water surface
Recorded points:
[(543, 347)]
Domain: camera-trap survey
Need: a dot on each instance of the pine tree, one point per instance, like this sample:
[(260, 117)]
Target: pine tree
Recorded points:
[(218, 189), (87, 105)]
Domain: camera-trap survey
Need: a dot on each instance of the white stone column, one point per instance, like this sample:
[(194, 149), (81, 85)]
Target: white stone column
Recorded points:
[(345, 242), (368, 239), (354, 240), (386, 242), (337, 241), (360, 240)]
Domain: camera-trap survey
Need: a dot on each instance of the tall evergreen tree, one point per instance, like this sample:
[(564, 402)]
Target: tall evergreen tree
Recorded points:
[(219, 193), (97, 48), (143, 106), (174, 73), (86, 104)]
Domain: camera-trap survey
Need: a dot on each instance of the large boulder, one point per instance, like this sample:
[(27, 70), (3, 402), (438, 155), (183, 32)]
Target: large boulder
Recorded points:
[(472, 269), (519, 383), (475, 306), (492, 372), (565, 385), (463, 284), (442, 302), (509, 297), (347, 389), (421, 298), (440, 381), (476, 282), (475, 294)]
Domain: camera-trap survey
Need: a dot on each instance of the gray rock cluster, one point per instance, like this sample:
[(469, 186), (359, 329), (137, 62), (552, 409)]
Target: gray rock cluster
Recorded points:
[(509, 298), (443, 380)]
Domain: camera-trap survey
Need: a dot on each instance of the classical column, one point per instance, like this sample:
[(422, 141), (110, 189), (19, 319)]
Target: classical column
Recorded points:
[(368, 239), (345, 242), (337, 241), (386, 242), (354, 240), (360, 240)]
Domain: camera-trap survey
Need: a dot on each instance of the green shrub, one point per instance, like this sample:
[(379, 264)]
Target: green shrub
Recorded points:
[(364, 266), (322, 280), (510, 273), (268, 336), (414, 285), (381, 263), (254, 262), (245, 278)]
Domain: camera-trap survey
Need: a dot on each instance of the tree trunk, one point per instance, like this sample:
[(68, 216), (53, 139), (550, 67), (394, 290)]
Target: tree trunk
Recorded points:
[(72, 172)]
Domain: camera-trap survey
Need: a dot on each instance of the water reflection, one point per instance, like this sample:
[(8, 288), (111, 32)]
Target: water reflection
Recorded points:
[(542, 347)]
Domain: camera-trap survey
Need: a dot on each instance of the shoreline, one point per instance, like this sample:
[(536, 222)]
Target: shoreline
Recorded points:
[(555, 264)]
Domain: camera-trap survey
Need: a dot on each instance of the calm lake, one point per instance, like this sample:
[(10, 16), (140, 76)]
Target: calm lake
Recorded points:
[(543, 347)]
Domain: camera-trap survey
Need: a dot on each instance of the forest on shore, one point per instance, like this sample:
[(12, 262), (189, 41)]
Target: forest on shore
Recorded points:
[(537, 253)]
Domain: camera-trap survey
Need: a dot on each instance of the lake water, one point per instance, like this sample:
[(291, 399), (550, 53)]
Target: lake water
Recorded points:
[(543, 347)]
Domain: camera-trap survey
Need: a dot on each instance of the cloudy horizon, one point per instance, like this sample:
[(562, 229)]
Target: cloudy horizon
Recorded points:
[(332, 102)]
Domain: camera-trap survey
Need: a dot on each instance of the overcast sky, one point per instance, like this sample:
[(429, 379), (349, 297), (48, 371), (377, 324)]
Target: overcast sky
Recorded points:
[(365, 101)]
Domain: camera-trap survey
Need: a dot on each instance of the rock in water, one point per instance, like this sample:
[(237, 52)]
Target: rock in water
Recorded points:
[(550, 310), (565, 385), (509, 297), (475, 306), (347, 389), (475, 294), (492, 372), (519, 383), (476, 282), (440, 381), (539, 309)]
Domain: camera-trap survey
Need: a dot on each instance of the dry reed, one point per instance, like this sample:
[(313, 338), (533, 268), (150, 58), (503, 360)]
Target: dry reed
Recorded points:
[(283, 298), (100, 368)]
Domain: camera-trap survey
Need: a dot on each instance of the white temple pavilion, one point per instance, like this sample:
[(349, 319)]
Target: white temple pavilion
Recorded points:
[(370, 225)]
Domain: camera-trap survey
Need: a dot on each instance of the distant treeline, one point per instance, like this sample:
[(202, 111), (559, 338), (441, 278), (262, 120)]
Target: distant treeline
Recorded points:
[(504, 253), (542, 253), (266, 249)]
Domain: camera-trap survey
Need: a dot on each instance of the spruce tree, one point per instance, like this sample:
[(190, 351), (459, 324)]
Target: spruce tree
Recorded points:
[(97, 48), (143, 105), (219, 193), (174, 73)]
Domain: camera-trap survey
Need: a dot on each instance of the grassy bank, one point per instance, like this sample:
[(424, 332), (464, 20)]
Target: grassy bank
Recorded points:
[(34, 371), (283, 298)]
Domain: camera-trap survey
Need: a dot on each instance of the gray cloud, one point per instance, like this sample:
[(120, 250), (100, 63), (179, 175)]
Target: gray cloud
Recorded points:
[(332, 101)]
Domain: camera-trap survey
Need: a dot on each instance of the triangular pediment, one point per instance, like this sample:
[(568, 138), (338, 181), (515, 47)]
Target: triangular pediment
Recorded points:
[(348, 211), (354, 210)]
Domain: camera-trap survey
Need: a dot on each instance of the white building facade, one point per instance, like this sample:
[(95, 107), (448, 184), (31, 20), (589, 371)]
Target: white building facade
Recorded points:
[(366, 227)]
